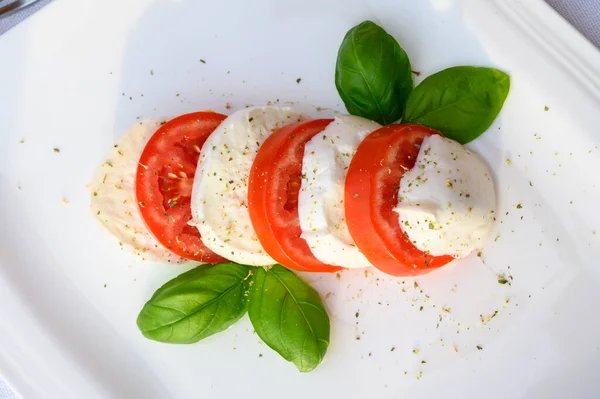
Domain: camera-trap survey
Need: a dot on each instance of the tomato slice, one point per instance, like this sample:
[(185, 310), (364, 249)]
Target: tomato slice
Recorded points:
[(274, 184), (371, 193), (164, 179)]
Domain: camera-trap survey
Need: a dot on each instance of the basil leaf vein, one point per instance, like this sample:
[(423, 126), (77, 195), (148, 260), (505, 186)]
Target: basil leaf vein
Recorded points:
[(373, 74), (288, 315), (196, 304), (461, 102)]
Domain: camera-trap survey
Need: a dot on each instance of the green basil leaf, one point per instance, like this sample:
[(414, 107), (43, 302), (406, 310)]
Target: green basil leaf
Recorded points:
[(196, 304), (461, 102), (289, 317), (373, 74)]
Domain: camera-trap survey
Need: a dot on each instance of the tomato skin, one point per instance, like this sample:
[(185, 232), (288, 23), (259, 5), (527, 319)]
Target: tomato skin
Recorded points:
[(371, 193), (164, 180), (273, 189)]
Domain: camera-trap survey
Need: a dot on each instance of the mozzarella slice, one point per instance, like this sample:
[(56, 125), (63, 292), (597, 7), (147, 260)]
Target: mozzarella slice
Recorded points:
[(447, 201), (113, 201), (326, 160), (220, 192)]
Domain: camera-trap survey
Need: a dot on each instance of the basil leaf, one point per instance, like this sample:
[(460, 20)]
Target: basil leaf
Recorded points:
[(289, 317), (461, 102), (196, 304), (373, 74)]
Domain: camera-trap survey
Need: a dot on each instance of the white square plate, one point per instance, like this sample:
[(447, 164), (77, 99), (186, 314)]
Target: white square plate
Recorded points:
[(78, 74)]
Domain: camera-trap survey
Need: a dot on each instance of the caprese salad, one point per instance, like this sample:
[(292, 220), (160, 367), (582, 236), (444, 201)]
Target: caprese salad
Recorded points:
[(268, 185), (390, 185)]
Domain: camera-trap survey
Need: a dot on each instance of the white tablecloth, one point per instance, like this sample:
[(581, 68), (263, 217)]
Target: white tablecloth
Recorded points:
[(583, 14)]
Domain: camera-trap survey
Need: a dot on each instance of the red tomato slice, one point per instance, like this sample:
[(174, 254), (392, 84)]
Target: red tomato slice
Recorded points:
[(164, 179), (274, 184), (371, 193)]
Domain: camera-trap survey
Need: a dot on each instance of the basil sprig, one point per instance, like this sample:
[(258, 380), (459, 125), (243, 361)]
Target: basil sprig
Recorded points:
[(373, 78), (372, 74), (289, 317), (286, 312)]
